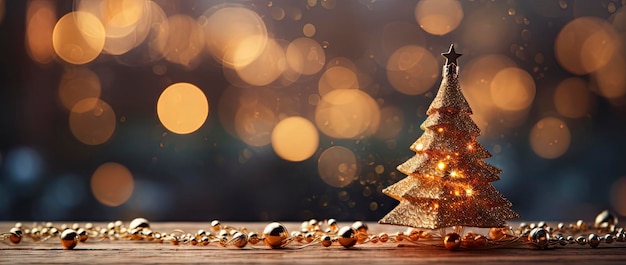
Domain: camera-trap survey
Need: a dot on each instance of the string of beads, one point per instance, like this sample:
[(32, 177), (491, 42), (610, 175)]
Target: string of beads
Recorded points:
[(328, 233)]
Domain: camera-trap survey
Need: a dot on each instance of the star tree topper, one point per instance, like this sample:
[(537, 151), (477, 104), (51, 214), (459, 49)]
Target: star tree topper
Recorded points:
[(448, 182)]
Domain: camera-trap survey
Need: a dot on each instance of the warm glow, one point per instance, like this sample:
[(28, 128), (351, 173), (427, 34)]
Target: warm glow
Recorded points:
[(512, 89), (572, 98), (412, 70), (309, 30), (265, 68), (185, 41), (585, 45), (470, 147), (40, 21), (78, 83), (347, 114), (230, 30), (453, 174), (337, 166), (182, 108), (438, 17), (78, 37), (419, 147), (305, 56), (92, 121), (484, 30), (295, 139), (469, 192), (126, 22), (337, 77), (441, 165), (611, 79), (457, 193), (254, 124), (440, 130), (550, 138), (391, 124), (112, 184)]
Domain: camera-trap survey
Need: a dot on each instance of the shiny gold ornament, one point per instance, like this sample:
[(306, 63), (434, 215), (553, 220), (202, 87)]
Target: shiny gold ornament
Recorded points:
[(215, 225), (498, 233), (239, 240), (594, 240), (253, 238), (448, 183), (452, 241), (69, 239), (15, 235), (413, 234), (326, 241), (605, 220), (332, 225), (347, 236), (82, 235), (275, 235), (539, 237), (137, 224), (383, 237)]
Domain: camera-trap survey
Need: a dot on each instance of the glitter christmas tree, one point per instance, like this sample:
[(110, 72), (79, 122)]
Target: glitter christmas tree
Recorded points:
[(448, 182)]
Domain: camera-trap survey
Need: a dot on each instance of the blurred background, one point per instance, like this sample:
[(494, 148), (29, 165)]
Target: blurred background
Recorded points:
[(289, 110)]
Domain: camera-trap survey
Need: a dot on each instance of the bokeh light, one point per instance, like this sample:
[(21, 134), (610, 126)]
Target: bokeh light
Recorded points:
[(337, 77), (572, 98), (182, 108), (78, 83), (92, 121), (512, 89), (154, 45), (233, 30), (305, 56), (412, 70), (254, 124), (550, 138), (126, 22), (618, 196), (295, 139), (610, 79), (185, 41), (112, 184), (585, 45), (78, 37), (337, 166), (438, 17), (309, 30), (40, 21), (484, 30), (24, 165), (265, 68), (347, 114), (391, 123)]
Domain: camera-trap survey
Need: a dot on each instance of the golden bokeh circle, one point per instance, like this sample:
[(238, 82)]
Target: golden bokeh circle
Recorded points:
[(347, 114), (112, 184), (78, 84), (92, 121), (512, 89), (295, 139), (412, 70), (305, 56), (438, 17), (572, 98), (78, 37), (182, 108), (550, 138), (337, 166), (337, 77)]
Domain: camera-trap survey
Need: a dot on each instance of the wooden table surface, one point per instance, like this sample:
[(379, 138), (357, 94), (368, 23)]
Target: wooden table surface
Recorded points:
[(141, 252)]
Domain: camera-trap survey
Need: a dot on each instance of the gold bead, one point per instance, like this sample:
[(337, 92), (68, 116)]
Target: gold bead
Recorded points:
[(326, 241), (539, 237), (347, 236), (139, 224), (275, 235), (54, 232), (360, 226), (467, 241), (413, 234), (253, 238), (15, 235), (332, 225), (581, 225), (452, 241), (605, 220), (383, 237), (309, 237), (147, 234), (373, 239), (82, 235), (239, 240), (201, 233), (215, 225), (297, 236), (193, 241), (174, 240), (480, 240), (497, 233), (69, 239), (399, 236), (205, 240)]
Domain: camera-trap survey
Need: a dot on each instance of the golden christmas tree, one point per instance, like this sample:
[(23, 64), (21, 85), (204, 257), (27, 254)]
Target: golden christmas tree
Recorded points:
[(448, 182)]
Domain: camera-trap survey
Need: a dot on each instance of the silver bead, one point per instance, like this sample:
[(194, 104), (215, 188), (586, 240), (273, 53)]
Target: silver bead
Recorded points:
[(539, 237), (570, 240), (605, 220), (581, 240), (562, 241), (560, 226), (608, 238), (594, 240), (621, 237)]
